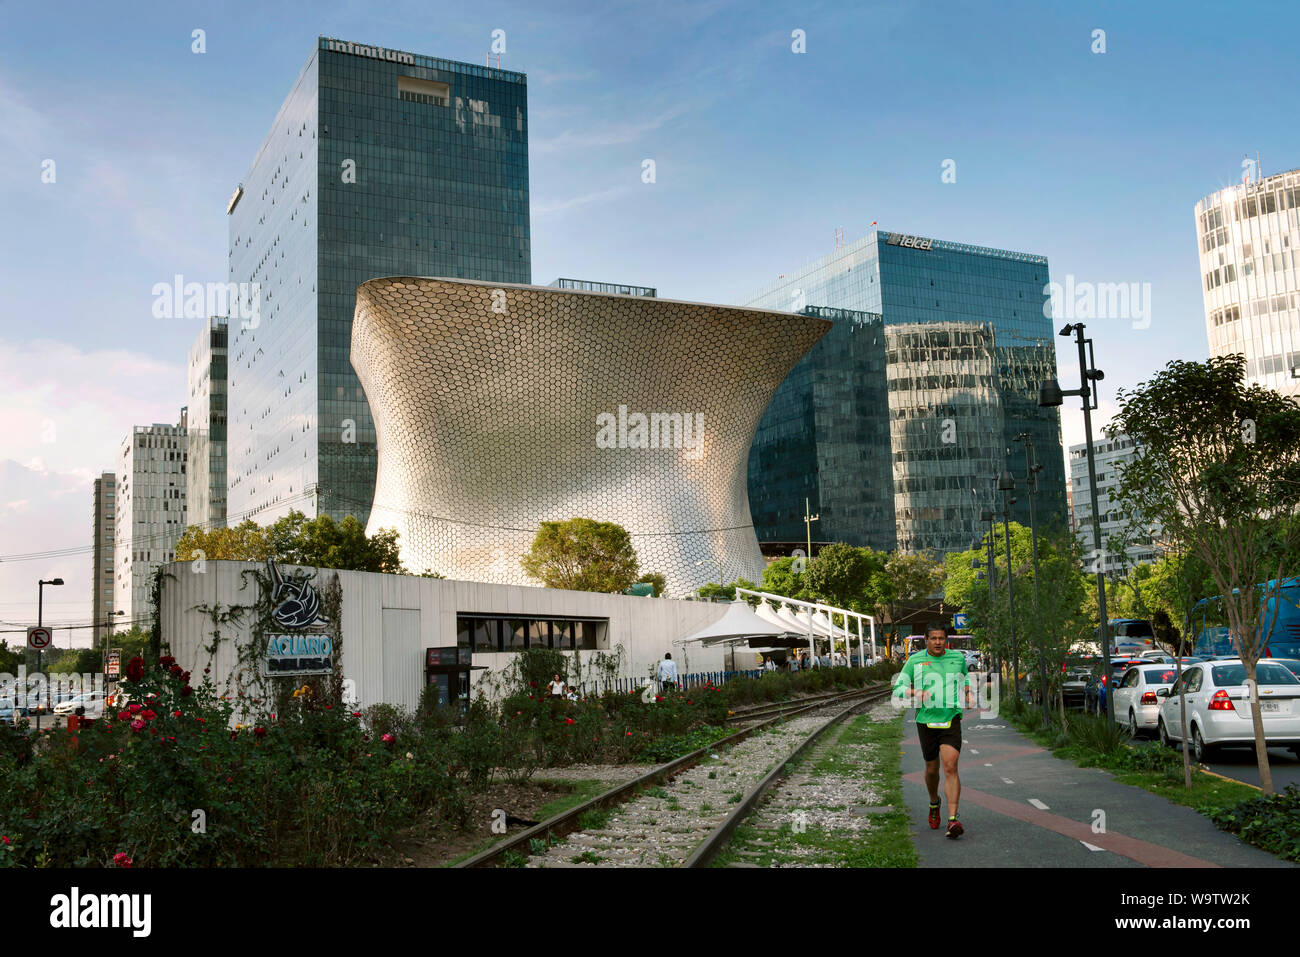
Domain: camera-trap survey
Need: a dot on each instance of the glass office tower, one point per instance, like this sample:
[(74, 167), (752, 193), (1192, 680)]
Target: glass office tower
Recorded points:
[(964, 343), (379, 163), (822, 440)]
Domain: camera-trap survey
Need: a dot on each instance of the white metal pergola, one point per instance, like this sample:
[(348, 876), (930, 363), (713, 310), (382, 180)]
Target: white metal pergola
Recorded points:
[(810, 610)]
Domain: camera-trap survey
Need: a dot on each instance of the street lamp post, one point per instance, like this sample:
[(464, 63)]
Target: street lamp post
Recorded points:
[(1007, 485), (1031, 485), (1050, 394), (40, 622), (986, 515)]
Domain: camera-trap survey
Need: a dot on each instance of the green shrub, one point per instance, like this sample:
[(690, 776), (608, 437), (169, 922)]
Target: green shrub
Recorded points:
[(1271, 823)]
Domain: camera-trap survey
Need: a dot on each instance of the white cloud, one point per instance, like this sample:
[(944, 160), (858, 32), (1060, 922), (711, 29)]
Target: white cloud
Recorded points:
[(602, 134), (541, 209), (67, 410)]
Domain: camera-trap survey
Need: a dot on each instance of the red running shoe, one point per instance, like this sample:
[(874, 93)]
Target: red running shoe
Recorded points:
[(955, 829), (934, 817)]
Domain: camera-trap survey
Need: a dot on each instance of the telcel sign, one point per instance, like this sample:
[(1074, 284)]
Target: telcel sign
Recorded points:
[(912, 242)]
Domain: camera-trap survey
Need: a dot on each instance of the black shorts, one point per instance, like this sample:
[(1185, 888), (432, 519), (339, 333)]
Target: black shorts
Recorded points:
[(931, 738)]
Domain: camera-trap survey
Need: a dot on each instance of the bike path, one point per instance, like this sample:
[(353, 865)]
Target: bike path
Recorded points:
[(1022, 807)]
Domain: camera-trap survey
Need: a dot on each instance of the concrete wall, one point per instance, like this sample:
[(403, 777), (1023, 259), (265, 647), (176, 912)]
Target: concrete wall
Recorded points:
[(389, 620)]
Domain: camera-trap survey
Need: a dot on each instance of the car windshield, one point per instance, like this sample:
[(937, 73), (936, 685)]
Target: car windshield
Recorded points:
[(1159, 676), (1266, 673)]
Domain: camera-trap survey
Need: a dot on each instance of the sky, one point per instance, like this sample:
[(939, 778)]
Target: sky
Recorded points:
[(1091, 149)]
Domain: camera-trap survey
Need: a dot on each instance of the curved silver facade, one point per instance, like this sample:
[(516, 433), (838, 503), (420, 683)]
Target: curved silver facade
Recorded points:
[(498, 407)]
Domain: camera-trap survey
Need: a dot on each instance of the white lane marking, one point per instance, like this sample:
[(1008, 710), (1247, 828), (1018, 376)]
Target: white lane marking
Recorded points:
[(1038, 804), (1091, 847), (1008, 781), (973, 751), (988, 764)]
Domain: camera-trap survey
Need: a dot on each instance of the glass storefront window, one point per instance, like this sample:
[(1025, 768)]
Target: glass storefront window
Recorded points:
[(486, 634), (562, 635)]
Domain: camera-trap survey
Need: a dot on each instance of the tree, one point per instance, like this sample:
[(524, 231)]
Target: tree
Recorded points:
[(582, 554), (840, 574), (246, 542), (728, 592), (297, 540), (656, 579), (1217, 466), (904, 581), (781, 578)]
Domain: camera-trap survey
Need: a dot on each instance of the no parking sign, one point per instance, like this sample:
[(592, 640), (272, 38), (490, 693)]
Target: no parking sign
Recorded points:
[(39, 638)]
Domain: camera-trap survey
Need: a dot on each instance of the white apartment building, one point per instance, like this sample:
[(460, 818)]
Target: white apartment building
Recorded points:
[(150, 514), (1249, 238), (1111, 452)]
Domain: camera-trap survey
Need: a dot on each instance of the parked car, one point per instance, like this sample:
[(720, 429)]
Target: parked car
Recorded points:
[(1218, 707), (1094, 693), (1290, 664), (1136, 703), (1074, 684), (1157, 656), (89, 704)]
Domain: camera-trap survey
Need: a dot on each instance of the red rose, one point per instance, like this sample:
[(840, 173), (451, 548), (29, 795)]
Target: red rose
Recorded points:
[(176, 714), (532, 684), (149, 714), (137, 725), (201, 720), (177, 670), (259, 732), (134, 708), (6, 840), (568, 721), (166, 661), (355, 714), (187, 691), (124, 716), (387, 739), (135, 669), (121, 860)]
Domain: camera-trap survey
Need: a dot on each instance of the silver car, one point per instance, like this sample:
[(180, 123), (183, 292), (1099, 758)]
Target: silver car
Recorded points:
[(1137, 704), (1218, 707)]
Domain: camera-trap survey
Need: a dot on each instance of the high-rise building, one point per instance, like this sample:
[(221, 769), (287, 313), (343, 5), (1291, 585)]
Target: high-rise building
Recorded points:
[(379, 163), (205, 486), (896, 426), (150, 513), (1249, 237), (1110, 453), (101, 575)]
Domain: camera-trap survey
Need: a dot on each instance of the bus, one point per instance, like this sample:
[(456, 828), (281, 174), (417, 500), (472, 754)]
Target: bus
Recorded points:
[(1128, 636), (1209, 623)]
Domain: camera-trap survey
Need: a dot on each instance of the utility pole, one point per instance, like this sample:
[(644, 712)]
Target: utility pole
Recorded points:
[(1031, 481), (1007, 485), (1050, 394), (808, 519)]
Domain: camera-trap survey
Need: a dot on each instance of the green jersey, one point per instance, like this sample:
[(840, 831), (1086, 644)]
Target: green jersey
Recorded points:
[(943, 680)]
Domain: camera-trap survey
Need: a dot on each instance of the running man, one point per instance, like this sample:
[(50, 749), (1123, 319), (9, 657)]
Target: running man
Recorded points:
[(935, 682)]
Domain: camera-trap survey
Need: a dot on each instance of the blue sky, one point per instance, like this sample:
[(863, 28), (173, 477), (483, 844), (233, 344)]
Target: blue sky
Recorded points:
[(1092, 159)]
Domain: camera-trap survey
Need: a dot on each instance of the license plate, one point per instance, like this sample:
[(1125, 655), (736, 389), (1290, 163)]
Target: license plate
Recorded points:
[(1270, 706)]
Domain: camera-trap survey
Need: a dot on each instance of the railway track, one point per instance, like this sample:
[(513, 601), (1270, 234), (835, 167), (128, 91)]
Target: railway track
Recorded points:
[(679, 813)]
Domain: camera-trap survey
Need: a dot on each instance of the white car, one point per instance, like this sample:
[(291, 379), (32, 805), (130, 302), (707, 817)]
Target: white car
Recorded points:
[(1136, 702), (90, 704), (1218, 707)]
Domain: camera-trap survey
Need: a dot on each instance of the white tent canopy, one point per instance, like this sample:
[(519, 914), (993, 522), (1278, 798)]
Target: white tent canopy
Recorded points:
[(739, 621), (769, 615)]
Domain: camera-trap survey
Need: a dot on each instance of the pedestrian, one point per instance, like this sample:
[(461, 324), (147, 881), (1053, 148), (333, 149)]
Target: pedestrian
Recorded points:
[(572, 693), (667, 673), (936, 682), (556, 688), (769, 665)]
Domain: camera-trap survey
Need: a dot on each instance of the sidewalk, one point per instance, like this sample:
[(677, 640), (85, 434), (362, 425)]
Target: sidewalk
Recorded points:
[(1022, 807)]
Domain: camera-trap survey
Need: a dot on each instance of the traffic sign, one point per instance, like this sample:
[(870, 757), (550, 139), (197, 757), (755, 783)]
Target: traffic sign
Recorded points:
[(959, 620), (39, 638)]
